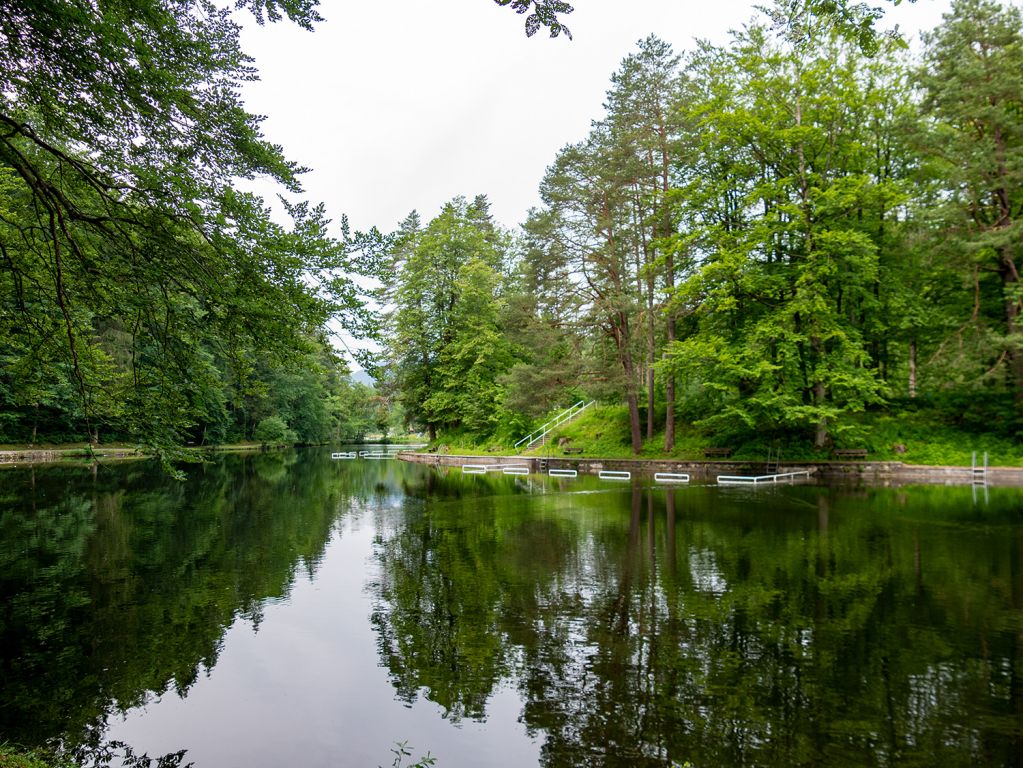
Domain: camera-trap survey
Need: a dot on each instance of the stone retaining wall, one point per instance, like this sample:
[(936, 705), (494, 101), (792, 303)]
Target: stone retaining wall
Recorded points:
[(872, 472)]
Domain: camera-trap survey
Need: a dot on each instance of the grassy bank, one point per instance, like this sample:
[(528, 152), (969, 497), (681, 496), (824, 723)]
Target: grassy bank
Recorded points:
[(919, 437)]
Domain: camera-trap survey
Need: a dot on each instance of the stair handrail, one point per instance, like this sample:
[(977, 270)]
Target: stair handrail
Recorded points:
[(561, 418)]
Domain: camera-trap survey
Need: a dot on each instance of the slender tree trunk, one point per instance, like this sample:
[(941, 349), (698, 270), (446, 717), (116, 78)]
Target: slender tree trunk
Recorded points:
[(669, 290), (651, 329), (819, 398), (622, 339), (912, 368), (650, 401), (1014, 355), (821, 435), (634, 427), (669, 378)]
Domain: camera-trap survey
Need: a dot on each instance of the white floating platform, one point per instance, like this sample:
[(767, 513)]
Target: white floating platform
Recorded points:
[(756, 479), (515, 470), (608, 474), (563, 473), (344, 455), (474, 469), (671, 477)]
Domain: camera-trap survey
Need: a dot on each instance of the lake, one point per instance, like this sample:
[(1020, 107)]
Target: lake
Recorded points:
[(286, 609)]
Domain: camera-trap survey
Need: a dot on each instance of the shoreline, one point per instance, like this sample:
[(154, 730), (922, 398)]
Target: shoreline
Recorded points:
[(78, 454), (83, 454), (882, 473)]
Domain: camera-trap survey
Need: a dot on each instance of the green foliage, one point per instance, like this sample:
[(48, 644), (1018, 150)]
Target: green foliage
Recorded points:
[(11, 756), (135, 279), (973, 91), (446, 348), (273, 430)]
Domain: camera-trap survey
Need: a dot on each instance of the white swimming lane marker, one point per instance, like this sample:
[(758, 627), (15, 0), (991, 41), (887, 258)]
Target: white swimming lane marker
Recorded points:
[(757, 479)]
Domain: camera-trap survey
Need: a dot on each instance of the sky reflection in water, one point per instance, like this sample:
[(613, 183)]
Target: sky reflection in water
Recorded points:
[(282, 608)]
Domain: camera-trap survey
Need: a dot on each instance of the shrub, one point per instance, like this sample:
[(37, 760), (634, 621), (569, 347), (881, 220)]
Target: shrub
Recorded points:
[(273, 430)]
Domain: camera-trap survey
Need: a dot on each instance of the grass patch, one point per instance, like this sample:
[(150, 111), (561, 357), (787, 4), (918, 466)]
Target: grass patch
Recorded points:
[(12, 756), (913, 437)]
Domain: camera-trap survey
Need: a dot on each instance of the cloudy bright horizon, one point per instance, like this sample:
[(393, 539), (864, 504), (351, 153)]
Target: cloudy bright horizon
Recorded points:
[(403, 105)]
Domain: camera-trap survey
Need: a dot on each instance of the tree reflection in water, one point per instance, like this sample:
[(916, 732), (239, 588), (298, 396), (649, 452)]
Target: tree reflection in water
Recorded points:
[(117, 586), (803, 626), (638, 626)]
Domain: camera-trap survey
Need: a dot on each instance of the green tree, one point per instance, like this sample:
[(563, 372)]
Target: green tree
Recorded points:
[(129, 263), (789, 266), (973, 82), (444, 346), (646, 111), (273, 430), (591, 226)]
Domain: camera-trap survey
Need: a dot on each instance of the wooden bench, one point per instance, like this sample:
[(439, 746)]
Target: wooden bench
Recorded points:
[(849, 453), (570, 451), (717, 451)]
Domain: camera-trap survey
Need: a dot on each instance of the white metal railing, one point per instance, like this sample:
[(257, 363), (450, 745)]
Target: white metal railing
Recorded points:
[(569, 413)]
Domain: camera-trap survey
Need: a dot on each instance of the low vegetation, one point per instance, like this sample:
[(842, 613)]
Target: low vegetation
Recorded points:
[(926, 435)]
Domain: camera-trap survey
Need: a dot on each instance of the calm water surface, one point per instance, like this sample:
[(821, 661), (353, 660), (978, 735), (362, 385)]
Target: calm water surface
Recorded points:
[(286, 609)]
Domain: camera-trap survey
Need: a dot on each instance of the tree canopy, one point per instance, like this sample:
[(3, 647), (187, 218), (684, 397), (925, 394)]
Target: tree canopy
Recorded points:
[(136, 274), (774, 238)]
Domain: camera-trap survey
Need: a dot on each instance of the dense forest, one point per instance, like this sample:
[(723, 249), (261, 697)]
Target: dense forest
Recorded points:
[(144, 295), (778, 236)]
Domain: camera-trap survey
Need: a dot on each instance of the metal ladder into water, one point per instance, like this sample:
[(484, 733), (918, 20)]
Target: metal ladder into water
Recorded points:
[(978, 473)]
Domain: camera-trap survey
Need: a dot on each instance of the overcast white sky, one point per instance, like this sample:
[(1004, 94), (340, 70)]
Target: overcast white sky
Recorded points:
[(402, 104)]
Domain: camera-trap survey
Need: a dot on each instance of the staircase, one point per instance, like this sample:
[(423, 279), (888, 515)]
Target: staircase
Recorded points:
[(542, 435)]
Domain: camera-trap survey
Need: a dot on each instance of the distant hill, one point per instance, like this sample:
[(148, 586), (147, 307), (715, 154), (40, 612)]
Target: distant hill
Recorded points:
[(363, 378)]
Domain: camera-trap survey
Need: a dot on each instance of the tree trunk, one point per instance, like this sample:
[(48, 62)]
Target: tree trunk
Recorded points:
[(819, 396), (669, 415), (912, 368), (821, 436), (432, 431), (1014, 355), (630, 392), (669, 290), (650, 401)]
